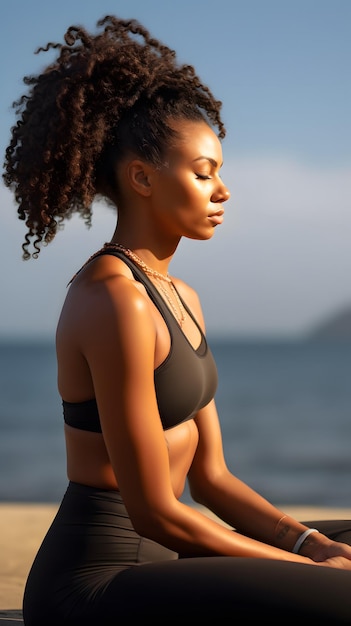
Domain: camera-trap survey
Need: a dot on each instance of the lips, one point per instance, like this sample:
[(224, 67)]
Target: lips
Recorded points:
[(217, 217)]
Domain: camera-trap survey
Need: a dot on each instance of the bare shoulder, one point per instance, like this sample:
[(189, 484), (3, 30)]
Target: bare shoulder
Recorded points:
[(104, 296), (105, 322)]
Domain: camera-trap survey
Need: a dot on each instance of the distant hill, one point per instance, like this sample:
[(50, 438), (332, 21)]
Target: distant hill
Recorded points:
[(337, 326)]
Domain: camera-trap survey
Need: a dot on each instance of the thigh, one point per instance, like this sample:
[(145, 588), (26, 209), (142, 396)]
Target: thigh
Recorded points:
[(228, 589), (339, 530)]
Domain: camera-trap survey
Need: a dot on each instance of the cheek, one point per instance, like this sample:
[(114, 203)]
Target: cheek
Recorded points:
[(181, 194), (186, 194), (171, 196)]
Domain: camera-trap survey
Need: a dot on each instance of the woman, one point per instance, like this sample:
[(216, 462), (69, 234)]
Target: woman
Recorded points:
[(115, 116)]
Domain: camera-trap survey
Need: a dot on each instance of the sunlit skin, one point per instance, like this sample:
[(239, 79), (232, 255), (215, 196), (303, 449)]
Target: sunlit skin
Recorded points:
[(110, 339), (188, 192), (183, 198), (115, 116)]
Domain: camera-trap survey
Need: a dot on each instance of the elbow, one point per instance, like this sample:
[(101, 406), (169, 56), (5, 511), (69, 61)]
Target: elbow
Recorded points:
[(204, 491), (143, 527), (152, 525), (200, 501), (197, 495)]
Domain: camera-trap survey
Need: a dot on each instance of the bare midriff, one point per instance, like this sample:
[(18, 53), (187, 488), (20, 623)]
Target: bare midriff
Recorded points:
[(88, 462)]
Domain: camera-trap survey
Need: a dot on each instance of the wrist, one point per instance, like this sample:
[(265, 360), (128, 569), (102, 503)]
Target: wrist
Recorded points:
[(287, 532), (302, 539), (316, 547)]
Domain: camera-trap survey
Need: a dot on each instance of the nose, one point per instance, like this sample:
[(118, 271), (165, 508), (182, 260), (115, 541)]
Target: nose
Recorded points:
[(221, 194)]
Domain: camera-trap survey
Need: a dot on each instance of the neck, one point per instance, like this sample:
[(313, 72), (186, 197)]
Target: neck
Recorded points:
[(157, 256), (170, 293), (163, 275)]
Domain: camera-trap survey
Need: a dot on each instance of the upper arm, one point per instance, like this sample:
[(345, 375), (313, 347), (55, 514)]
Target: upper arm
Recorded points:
[(209, 466), (119, 345)]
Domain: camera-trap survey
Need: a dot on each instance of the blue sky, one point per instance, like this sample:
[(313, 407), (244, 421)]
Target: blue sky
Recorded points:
[(281, 260)]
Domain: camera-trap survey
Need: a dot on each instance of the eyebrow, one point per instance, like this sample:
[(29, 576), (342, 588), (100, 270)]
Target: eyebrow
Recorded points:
[(206, 158)]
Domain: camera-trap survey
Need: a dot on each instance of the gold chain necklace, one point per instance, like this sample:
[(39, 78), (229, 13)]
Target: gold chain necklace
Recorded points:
[(178, 308)]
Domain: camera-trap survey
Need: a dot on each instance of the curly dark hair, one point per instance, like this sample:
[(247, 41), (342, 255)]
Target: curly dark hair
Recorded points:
[(105, 95)]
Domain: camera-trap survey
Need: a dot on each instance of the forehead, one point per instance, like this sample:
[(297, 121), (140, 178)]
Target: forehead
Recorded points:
[(195, 139)]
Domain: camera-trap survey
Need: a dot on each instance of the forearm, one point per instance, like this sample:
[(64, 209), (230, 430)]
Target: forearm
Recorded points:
[(288, 538), (192, 533), (242, 508)]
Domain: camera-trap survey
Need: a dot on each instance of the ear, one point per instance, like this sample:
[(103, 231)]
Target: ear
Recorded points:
[(139, 175)]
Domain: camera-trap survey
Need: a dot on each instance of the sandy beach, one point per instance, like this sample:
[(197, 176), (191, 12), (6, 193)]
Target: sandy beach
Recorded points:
[(23, 526)]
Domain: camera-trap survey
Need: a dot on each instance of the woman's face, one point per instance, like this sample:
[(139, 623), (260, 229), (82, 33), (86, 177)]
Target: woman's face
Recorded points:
[(187, 191)]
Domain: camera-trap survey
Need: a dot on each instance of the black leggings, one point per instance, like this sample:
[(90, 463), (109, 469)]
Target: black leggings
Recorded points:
[(93, 569)]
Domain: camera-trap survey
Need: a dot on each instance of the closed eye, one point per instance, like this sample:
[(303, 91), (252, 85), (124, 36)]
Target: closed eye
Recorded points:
[(203, 176)]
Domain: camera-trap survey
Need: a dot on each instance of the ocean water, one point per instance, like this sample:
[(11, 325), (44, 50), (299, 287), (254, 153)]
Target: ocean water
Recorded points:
[(284, 406)]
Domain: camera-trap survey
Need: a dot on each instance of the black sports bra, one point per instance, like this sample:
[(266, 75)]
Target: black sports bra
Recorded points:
[(185, 382)]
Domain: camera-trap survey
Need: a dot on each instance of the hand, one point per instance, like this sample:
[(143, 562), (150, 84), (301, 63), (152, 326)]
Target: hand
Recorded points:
[(337, 562), (332, 551)]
